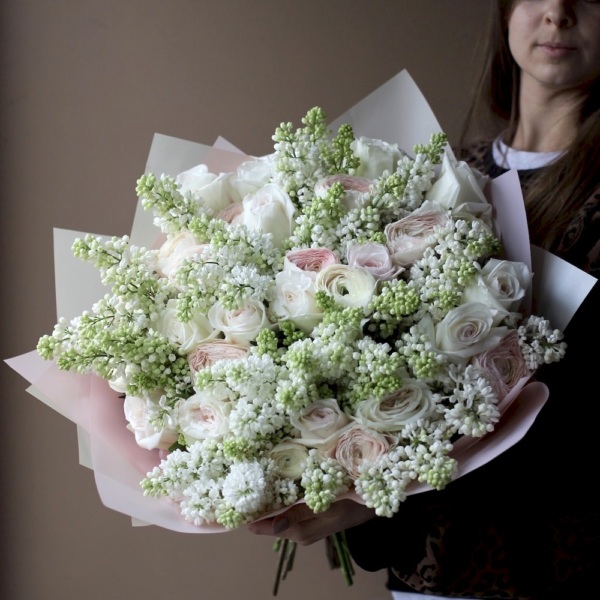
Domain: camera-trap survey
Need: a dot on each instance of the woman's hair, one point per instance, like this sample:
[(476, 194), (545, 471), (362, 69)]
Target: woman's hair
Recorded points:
[(558, 191)]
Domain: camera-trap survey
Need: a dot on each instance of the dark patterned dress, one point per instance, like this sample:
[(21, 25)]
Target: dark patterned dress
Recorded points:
[(526, 525)]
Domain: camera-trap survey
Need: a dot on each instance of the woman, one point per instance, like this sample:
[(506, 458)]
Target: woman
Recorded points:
[(525, 525)]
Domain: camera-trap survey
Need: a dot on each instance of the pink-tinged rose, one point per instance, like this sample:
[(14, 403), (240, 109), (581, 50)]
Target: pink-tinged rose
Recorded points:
[(208, 353), (290, 458), (376, 157), (232, 214), (413, 401), (270, 210), (375, 258), (468, 330), (185, 334), (319, 422), (501, 284), (209, 189), (504, 365), (295, 299), (176, 249), (240, 325), (356, 188), (138, 412), (349, 286), (204, 416), (357, 445), (310, 260), (408, 238)]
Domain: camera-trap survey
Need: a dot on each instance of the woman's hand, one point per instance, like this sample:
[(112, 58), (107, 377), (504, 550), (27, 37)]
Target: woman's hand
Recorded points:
[(301, 525)]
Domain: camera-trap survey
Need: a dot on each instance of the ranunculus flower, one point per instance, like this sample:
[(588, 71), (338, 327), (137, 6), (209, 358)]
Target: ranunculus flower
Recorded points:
[(376, 157), (375, 258), (185, 335), (349, 286), (295, 299), (356, 188), (203, 416), (408, 238), (503, 366), (212, 190), (356, 445), (467, 330), (319, 422), (460, 186), (310, 260), (175, 250), (240, 325), (414, 400), (270, 210), (500, 284), (138, 410), (208, 353), (290, 458)]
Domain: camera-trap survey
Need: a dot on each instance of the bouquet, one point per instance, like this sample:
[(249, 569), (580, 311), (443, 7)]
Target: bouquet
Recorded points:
[(336, 319)]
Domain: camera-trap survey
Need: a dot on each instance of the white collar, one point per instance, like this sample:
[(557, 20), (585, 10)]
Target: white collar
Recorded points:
[(509, 158)]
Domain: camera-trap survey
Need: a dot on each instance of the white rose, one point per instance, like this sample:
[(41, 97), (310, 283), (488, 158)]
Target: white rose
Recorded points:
[(501, 284), (252, 174), (376, 157), (211, 190), (185, 335), (240, 325), (319, 422), (349, 286), (290, 458), (357, 445), (175, 250), (468, 330), (408, 238), (460, 189), (295, 299), (375, 258), (203, 416), (138, 410), (414, 400), (270, 210)]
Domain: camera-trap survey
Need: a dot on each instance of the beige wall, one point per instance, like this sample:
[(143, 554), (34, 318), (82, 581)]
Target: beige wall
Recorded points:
[(85, 84)]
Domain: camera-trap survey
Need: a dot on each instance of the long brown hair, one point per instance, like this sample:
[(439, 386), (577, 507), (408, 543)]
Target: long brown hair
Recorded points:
[(558, 191)]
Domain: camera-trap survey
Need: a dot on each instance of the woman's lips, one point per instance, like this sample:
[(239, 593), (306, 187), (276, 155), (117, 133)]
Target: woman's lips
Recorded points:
[(556, 50)]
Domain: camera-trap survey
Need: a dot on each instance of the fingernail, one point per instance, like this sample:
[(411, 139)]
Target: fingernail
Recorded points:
[(280, 525)]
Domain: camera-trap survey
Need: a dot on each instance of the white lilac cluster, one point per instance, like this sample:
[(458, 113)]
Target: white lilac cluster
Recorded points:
[(330, 317)]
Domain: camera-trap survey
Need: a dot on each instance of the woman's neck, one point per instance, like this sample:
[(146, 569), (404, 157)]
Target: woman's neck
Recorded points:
[(548, 120)]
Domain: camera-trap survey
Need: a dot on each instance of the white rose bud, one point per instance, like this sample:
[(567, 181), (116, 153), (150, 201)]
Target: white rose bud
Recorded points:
[(240, 325), (138, 410), (295, 299), (185, 335), (414, 400), (270, 210), (468, 330), (213, 191), (376, 157), (203, 416), (319, 422), (375, 258)]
